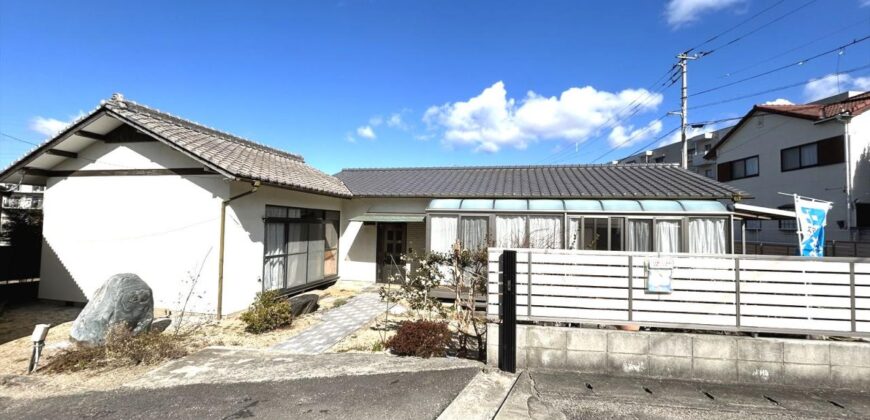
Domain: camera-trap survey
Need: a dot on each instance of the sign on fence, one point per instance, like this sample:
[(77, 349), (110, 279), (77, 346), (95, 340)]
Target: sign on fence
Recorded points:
[(661, 270)]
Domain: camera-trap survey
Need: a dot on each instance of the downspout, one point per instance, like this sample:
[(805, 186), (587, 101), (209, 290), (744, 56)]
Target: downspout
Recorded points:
[(220, 292), (845, 118)]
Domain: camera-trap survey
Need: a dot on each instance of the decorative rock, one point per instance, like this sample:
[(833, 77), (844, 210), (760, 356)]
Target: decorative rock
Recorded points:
[(160, 324), (122, 299), (303, 304)]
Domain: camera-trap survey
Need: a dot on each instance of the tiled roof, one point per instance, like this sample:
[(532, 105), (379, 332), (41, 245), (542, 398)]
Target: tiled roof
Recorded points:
[(635, 181), (235, 155), (231, 155), (855, 105)]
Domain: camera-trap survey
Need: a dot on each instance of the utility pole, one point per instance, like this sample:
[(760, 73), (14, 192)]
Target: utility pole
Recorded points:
[(684, 105)]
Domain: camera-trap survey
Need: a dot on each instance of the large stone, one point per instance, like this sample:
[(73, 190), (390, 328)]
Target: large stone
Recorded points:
[(123, 299), (303, 304)]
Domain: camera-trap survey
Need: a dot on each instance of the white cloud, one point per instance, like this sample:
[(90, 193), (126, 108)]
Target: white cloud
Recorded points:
[(828, 85), (624, 137), (779, 101), (366, 132), (376, 121), (491, 120), (863, 3), (395, 121), (683, 12), (51, 126), (350, 138)]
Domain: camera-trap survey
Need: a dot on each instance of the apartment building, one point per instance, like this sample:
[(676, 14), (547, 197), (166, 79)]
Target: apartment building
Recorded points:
[(698, 146)]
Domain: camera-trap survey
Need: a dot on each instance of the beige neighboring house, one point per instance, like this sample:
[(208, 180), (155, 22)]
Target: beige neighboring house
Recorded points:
[(15, 197), (133, 189), (819, 150)]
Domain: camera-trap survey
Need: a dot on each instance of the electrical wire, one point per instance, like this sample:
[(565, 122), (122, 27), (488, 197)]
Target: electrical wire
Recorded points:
[(791, 85), (780, 68), (804, 45), (745, 21), (744, 36)]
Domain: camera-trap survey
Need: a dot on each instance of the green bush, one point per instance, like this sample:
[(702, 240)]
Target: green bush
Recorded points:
[(268, 312), (421, 339)]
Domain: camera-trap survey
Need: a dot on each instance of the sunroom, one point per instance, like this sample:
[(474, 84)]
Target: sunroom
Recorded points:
[(667, 226)]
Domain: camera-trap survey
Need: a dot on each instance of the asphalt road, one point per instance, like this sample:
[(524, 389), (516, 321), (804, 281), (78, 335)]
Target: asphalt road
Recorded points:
[(405, 395), (589, 396)]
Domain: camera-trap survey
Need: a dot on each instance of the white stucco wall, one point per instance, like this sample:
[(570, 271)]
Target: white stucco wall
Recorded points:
[(766, 139), (243, 260), (162, 228)]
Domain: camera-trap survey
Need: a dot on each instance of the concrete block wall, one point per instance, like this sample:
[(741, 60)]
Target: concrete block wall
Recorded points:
[(713, 358)]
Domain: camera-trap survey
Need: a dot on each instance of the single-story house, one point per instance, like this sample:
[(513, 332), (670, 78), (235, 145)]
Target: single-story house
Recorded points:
[(187, 207)]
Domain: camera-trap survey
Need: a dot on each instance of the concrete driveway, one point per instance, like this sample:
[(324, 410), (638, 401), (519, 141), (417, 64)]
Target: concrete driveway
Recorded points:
[(570, 395), (224, 383)]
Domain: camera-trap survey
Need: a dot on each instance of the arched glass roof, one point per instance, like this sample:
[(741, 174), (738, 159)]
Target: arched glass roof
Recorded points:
[(579, 206)]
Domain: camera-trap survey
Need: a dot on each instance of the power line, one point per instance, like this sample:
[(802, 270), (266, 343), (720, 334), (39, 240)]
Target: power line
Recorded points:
[(737, 98), (662, 83), (780, 68), (745, 21), (78, 157), (610, 122), (741, 37), (18, 139), (804, 45), (651, 142)]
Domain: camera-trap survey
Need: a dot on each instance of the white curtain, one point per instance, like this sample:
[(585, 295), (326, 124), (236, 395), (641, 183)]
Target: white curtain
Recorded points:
[(707, 236), (637, 235), (668, 236), (474, 232), (443, 231), (545, 232), (510, 232), (273, 273), (574, 234)]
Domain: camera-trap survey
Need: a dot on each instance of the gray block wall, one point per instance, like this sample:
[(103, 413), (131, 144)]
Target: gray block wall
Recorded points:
[(714, 358)]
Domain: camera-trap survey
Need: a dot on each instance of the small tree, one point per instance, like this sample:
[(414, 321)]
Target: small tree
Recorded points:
[(468, 280), (415, 287)]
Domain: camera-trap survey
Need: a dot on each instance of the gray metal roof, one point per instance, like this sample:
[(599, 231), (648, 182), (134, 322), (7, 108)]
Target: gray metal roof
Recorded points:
[(637, 181)]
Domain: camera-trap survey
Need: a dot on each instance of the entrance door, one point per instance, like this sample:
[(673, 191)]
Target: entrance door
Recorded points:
[(391, 246)]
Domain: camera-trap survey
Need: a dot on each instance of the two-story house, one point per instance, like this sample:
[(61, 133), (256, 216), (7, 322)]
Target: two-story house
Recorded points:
[(819, 150)]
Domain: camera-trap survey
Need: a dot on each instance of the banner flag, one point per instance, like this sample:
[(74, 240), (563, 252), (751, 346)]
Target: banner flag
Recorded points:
[(811, 220)]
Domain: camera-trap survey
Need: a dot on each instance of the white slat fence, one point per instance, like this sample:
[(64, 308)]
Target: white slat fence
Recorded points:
[(716, 292)]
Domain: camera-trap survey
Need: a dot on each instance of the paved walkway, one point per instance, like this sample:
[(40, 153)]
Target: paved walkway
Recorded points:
[(336, 324)]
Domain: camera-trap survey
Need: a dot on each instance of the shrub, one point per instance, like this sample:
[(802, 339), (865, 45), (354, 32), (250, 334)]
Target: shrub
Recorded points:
[(122, 348), (420, 338), (268, 312)]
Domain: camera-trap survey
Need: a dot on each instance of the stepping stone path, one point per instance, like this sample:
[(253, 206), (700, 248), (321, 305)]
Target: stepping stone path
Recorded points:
[(335, 324)]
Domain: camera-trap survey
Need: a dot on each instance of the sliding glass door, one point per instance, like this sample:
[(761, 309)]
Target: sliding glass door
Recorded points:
[(301, 247)]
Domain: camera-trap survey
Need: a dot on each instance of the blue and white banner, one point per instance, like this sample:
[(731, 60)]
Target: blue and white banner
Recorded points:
[(811, 220)]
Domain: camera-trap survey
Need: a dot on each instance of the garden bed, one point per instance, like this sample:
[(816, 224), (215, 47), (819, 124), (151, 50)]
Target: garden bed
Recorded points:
[(16, 325)]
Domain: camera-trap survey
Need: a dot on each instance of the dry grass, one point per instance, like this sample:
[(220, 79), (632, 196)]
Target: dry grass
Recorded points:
[(15, 346)]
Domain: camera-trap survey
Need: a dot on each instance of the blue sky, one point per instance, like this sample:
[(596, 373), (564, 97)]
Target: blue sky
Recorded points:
[(424, 83)]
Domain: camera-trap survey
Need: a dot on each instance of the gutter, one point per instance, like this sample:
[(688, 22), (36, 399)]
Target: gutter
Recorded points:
[(220, 293)]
